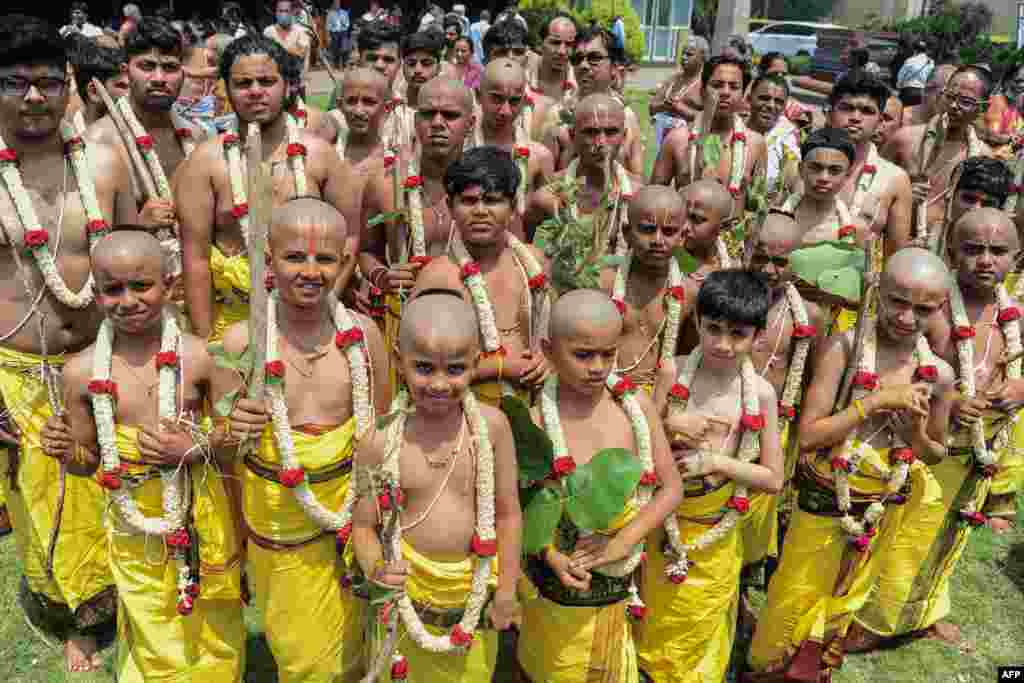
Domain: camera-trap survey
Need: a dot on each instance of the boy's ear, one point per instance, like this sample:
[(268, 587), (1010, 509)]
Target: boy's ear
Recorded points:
[(545, 346)]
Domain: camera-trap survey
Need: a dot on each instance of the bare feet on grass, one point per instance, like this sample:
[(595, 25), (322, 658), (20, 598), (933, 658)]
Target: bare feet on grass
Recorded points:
[(80, 654)]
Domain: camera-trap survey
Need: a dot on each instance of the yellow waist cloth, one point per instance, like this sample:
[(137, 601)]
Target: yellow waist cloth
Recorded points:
[(81, 570), (271, 509), (492, 392), (232, 282), (760, 526), (869, 478)]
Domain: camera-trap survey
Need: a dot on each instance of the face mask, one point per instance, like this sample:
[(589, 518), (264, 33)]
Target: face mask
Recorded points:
[(285, 19)]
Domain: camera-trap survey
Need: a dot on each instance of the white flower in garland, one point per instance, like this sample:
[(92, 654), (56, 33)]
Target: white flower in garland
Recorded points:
[(673, 300), (351, 339), (342, 125), (738, 142), (296, 152), (175, 483), (299, 113), (803, 334), (845, 229), (752, 421), (620, 193), (96, 227), (484, 544), (413, 187)]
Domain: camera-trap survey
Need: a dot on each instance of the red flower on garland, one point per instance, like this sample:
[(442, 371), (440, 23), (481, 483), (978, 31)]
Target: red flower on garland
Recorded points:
[(841, 464), (693, 136), (638, 612), (274, 370), (349, 337), (412, 182), (459, 637), (735, 191), (562, 467), (522, 152), (740, 504), (268, 281), (537, 282), (862, 543), (110, 480), (739, 136), (292, 477), (804, 331), (962, 332), (677, 577), (623, 387), (902, 455), (621, 305), (787, 412), (528, 99), (420, 260), (869, 169), (400, 669), (989, 471), (649, 478), (185, 606), (183, 133), (1016, 189), (178, 538), (926, 373), (296, 149), (1008, 315), (299, 113), (679, 392), (975, 519), (166, 359), (230, 139), (8, 154), (389, 160), (240, 210), (847, 231), (99, 387), (71, 143), (469, 269), (34, 239), (97, 226), (482, 548), (677, 293), (753, 423), (384, 500), (193, 590), (144, 141), (343, 535), (865, 380), (568, 85)]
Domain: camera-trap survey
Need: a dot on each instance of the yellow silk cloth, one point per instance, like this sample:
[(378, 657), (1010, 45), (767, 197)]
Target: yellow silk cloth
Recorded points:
[(81, 569), (806, 618), (314, 627), (689, 629), (445, 585), (913, 580), (231, 277), (563, 644), (759, 528), (492, 392), (843, 320), (392, 320), (155, 642)]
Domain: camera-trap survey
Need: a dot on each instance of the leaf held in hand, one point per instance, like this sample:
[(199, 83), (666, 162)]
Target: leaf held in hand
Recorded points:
[(388, 217), (712, 149), (534, 451), (540, 518), (599, 490), (688, 263), (226, 404)]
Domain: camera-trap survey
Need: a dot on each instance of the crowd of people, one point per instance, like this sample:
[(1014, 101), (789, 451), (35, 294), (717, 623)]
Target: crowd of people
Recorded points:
[(446, 361)]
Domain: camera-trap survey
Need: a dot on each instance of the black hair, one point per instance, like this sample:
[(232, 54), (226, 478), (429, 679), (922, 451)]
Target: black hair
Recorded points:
[(80, 7), (291, 70), (588, 34), (737, 295), (829, 138), (92, 60), (859, 58), (30, 40), (253, 44), (488, 167), (379, 33), (464, 39), (504, 35), (982, 72), (153, 33), (561, 14), (768, 58), (859, 83), (984, 174), (724, 60), (452, 21), (423, 41), (773, 79)]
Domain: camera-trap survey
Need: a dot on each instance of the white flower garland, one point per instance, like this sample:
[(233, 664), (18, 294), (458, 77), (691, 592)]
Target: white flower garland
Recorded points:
[(673, 299), (296, 152), (620, 200), (96, 227), (624, 391), (174, 482), (844, 220), (803, 333), (738, 142), (484, 541), (299, 113), (413, 187), (678, 563), (342, 139), (37, 238), (350, 338), (925, 150)]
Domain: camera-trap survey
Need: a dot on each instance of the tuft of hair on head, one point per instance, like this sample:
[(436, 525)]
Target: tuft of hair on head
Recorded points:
[(988, 175), (308, 211), (724, 60), (437, 314), (153, 33), (250, 45), (440, 84), (922, 264), (430, 42), (736, 295), (829, 138), (488, 167), (659, 198), (984, 216), (124, 242), (30, 40), (590, 308), (503, 68), (712, 193), (599, 102), (92, 60), (364, 75)]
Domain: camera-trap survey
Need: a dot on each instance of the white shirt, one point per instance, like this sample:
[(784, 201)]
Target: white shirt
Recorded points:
[(88, 30), (782, 139)]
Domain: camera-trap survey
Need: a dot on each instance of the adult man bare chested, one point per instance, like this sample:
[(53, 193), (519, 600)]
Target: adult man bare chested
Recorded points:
[(105, 64), (923, 113), (507, 39), (554, 77), (362, 108), (210, 231), (72, 587)]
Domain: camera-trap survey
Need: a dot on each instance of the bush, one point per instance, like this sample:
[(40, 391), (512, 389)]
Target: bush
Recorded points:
[(604, 11), (539, 13)]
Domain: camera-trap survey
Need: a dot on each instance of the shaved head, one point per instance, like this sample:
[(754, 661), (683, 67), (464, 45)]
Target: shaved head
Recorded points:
[(307, 214), (654, 199), (778, 228), (600, 104), (439, 87), (129, 246), (503, 71), (438, 320), (711, 193), (985, 222), (588, 309), (916, 266), (364, 75)]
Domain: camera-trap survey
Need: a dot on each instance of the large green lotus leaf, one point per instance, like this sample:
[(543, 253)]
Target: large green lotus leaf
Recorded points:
[(842, 282), (712, 151), (810, 263), (534, 451), (598, 491), (688, 263), (540, 518)]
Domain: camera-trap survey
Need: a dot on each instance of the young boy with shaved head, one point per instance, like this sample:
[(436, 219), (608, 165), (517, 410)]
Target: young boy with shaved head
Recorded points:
[(979, 478), (134, 410), (859, 465), (721, 425), (452, 461), (577, 623), (295, 486)]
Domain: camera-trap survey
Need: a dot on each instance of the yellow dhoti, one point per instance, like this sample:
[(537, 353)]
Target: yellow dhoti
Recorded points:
[(915, 567), (760, 526), (442, 588), (314, 626), (80, 592), (491, 393), (231, 284), (689, 629), (155, 642), (823, 580)]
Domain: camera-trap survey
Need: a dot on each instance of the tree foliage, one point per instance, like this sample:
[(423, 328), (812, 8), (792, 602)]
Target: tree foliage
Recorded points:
[(539, 12)]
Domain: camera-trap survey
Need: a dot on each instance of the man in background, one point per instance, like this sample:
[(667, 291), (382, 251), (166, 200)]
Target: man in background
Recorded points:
[(339, 26), (80, 22), (132, 17), (476, 34), (293, 38)]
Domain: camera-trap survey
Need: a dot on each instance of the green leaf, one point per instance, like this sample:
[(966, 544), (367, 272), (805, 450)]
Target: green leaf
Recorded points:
[(387, 418), (688, 263), (534, 451), (226, 404), (810, 263), (540, 518), (380, 595), (388, 217), (599, 490), (842, 282), (712, 146), (240, 362)]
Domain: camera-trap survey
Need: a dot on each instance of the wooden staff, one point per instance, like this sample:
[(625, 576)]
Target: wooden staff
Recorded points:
[(867, 292), (935, 129), (943, 236), (392, 617), (259, 193), (145, 188)]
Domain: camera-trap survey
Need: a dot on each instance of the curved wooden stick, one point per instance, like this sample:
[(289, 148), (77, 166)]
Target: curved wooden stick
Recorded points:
[(145, 184)]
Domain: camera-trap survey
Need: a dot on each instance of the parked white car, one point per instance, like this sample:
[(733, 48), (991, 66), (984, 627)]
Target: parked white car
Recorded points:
[(791, 38)]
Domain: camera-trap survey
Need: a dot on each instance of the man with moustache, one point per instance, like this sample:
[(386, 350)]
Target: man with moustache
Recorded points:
[(105, 64), (768, 96)]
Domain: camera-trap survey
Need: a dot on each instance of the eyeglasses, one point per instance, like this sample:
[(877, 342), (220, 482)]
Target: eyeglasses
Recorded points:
[(965, 103), (16, 86), (593, 58)]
